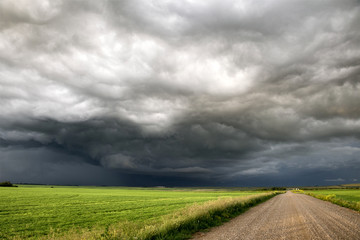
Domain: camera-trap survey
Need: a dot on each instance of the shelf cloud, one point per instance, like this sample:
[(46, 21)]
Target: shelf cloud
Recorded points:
[(183, 92)]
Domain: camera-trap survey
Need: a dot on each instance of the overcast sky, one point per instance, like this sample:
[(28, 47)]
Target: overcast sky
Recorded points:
[(180, 93)]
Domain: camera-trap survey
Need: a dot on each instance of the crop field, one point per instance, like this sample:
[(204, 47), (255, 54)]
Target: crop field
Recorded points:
[(104, 212), (344, 194), (349, 198)]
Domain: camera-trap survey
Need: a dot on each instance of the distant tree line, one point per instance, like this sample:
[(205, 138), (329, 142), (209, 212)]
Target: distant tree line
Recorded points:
[(272, 189), (278, 188), (7, 184)]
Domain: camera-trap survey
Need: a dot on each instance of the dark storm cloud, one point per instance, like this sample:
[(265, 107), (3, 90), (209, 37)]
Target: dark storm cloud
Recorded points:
[(184, 92)]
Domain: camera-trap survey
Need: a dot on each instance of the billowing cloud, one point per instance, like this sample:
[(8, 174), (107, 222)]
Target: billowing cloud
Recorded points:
[(183, 92)]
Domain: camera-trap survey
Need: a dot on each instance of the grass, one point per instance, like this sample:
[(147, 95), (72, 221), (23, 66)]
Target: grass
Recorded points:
[(112, 212), (349, 198)]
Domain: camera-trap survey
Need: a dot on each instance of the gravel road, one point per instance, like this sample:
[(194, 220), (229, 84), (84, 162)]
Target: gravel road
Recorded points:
[(290, 216)]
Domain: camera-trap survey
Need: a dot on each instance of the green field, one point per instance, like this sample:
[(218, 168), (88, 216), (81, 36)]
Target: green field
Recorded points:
[(344, 194), (36, 211), (349, 198)]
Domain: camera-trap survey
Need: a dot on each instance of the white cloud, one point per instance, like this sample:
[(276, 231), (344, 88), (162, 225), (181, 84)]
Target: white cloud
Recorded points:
[(335, 180)]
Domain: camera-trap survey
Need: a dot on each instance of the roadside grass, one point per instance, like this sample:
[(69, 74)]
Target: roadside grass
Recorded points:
[(349, 198), (45, 212)]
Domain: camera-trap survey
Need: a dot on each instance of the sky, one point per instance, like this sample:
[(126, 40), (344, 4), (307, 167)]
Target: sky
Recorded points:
[(180, 93)]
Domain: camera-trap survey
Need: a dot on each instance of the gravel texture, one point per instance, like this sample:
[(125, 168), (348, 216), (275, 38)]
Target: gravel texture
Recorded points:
[(290, 216)]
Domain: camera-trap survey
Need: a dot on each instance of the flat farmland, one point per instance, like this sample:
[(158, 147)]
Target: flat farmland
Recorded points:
[(352, 195), (349, 198), (93, 212)]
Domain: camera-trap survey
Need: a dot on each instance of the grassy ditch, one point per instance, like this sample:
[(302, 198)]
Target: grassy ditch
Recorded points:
[(179, 225), (342, 197)]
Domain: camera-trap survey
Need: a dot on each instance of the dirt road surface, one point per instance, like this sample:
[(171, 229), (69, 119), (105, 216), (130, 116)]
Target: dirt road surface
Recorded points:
[(290, 216)]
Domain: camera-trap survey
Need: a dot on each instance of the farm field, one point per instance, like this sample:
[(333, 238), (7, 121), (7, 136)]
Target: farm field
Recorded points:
[(349, 198), (44, 211), (344, 194)]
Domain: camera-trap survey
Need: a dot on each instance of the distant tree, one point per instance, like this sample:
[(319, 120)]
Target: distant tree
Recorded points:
[(278, 188), (7, 184)]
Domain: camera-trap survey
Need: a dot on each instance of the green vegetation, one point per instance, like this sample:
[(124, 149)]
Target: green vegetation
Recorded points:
[(278, 188), (349, 198), (114, 212), (7, 184)]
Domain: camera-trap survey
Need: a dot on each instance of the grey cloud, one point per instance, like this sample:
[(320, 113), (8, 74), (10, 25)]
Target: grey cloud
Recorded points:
[(213, 91)]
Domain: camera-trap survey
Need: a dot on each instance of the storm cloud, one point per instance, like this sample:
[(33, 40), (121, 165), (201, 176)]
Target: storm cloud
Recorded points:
[(180, 92)]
